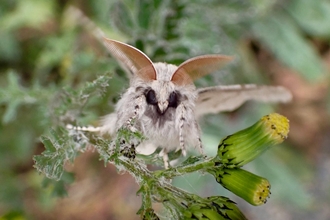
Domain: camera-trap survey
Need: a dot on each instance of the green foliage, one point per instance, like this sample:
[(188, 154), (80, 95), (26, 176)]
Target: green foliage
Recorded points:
[(156, 186), (53, 72), (60, 148), (14, 95), (153, 27)]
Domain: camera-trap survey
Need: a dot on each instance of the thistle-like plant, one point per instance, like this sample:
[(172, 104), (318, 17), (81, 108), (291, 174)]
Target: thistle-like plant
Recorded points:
[(234, 151)]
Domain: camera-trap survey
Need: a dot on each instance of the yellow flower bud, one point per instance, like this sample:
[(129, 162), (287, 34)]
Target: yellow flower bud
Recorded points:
[(244, 146)]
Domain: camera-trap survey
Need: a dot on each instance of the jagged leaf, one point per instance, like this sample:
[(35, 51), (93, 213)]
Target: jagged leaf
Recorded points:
[(59, 148)]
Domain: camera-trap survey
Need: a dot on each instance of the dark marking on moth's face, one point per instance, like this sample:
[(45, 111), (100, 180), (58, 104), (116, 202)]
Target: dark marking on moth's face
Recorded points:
[(151, 98), (173, 100), (154, 112)]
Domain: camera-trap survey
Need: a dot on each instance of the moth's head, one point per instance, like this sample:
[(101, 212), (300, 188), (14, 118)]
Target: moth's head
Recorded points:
[(163, 95), (160, 90), (169, 88)]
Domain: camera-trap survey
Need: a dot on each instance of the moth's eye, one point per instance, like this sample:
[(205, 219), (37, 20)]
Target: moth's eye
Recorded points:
[(151, 97), (173, 100)]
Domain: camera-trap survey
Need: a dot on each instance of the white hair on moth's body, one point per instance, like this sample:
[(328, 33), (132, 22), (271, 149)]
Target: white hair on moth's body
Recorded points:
[(161, 129)]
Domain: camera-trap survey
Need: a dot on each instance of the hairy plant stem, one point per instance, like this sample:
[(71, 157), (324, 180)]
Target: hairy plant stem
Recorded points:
[(155, 186), (179, 171)]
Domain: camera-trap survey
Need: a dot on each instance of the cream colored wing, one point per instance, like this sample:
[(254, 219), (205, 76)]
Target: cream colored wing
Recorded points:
[(228, 98)]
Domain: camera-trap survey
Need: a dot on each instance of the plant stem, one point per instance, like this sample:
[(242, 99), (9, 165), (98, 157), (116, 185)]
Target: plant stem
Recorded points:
[(179, 171)]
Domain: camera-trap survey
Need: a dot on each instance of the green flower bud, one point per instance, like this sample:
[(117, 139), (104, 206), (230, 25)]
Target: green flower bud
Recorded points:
[(201, 211), (250, 187), (244, 146), (215, 207), (226, 207)]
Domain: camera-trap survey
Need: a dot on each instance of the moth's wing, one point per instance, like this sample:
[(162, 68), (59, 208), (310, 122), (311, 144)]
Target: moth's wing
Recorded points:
[(228, 98), (131, 59)]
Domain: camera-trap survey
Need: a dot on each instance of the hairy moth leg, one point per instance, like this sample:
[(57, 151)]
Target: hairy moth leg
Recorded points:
[(137, 108), (199, 141), (181, 125), (166, 160), (200, 146)]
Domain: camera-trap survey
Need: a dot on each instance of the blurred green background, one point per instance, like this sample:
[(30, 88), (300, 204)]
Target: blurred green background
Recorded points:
[(49, 61)]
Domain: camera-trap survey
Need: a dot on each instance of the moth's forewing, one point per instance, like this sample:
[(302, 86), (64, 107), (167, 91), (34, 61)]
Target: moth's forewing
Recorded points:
[(228, 98)]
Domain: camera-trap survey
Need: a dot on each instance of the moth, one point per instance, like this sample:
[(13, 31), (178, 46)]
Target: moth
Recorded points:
[(163, 103)]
